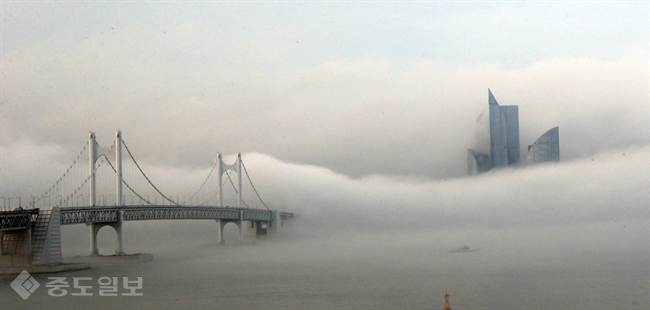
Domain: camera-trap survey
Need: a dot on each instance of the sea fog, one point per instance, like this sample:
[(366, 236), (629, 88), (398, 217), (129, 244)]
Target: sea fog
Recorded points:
[(569, 235)]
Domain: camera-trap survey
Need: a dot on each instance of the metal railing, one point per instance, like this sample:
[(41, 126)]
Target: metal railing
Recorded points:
[(87, 215)]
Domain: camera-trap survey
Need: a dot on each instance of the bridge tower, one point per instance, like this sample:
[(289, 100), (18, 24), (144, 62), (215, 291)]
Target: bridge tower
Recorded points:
[(119, 200), (92, 151), (236, 167)]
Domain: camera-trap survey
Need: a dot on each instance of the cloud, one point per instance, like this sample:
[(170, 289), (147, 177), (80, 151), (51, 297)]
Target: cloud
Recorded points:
[(583, 212), (612, 187), (357, 117), (609, 186), (354, 116)]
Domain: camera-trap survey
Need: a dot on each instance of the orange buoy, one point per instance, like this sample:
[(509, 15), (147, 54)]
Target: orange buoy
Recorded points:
[(447, 307)]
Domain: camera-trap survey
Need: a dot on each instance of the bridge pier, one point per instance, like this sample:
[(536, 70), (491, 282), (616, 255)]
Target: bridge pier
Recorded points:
[(220, 225), (265, 228), (240, 228), (95, 227), (257, 228), (93, 239), (276, 221), (28, 239), (15, 238)]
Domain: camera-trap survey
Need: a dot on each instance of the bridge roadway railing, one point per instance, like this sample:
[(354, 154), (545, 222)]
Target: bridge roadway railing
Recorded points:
[(87, 215)]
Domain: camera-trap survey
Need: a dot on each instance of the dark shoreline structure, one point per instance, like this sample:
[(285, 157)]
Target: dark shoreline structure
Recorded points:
[(504, 142), (30, 240)]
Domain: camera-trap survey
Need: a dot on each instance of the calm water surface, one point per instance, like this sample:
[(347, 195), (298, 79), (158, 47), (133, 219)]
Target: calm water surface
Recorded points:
[(353, 273)]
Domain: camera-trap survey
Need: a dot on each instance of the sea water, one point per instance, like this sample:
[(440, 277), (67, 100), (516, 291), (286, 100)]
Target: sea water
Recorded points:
[(381, 270)]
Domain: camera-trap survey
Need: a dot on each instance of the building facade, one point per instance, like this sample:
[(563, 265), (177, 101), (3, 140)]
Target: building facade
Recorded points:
[(546, 148), (504, 133), (477, 162)]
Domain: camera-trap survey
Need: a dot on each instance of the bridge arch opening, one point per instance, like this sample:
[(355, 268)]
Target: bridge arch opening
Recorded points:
[(231, 233), (107, 240)]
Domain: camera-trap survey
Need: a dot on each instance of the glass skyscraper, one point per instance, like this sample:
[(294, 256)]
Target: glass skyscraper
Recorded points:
[(504, 133), (546, 148), (477, 162)]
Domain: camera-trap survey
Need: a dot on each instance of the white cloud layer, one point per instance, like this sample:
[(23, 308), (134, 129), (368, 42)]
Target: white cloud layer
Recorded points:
[(365, 116), (187, 86), (366, 123)]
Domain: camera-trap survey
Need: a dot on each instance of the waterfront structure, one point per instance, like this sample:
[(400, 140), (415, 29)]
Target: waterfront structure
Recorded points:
[(32, 235), (546, 148), (477, 162), (504, 133)]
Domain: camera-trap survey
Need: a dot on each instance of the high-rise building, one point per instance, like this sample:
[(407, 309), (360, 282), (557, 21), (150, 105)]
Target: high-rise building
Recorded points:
[(504, 133), (477, 162), (546, 148)]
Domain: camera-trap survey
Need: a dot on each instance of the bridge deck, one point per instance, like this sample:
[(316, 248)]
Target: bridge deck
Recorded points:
[(86, 215), (18, 219)]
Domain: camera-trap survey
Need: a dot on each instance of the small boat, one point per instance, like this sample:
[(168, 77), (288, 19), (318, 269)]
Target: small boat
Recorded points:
[(463, 250)]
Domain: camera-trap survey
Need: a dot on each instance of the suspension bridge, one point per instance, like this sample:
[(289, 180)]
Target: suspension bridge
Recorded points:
[(111, 190)]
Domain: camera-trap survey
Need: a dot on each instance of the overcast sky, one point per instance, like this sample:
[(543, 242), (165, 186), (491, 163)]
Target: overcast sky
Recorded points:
[(360, 88), (371, 103)]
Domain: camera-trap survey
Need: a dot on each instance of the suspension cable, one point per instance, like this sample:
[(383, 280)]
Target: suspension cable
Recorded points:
[(127, 184), (231, 183), (61, 178), (251, 182), (209, 199), (145, 176), (215, 193), (85, 181), (203, 184), (67, 198), (233, 186)]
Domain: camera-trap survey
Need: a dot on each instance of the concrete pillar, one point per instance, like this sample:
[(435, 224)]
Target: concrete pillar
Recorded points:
[(118, 230), (241, 224), (220, 225), (240, 227), (257, 229), (94, 229), (239, 187), (93, 239), (275, 223), (220, 178), (250, 228), (119, 197), (92, 151), (222, 168), (28, 238), (261, 228)]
